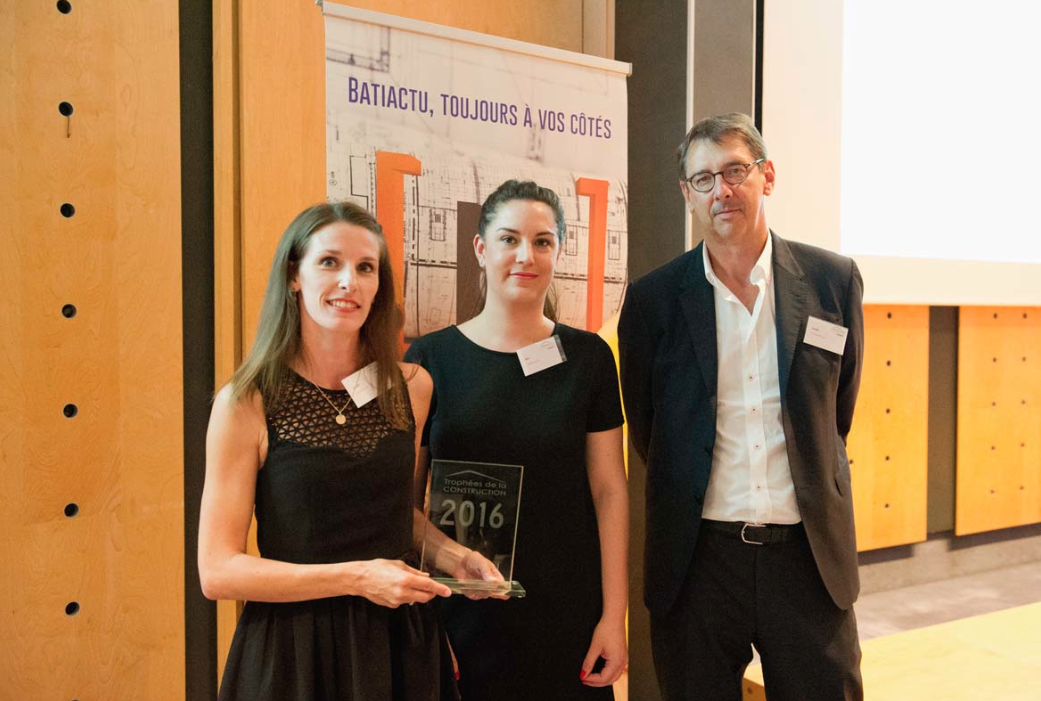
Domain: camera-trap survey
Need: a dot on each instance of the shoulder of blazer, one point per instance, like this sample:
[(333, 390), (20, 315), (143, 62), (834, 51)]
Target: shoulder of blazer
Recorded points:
[(817, 261)]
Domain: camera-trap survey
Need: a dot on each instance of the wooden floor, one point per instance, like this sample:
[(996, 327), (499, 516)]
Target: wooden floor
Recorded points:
[(993, 656)]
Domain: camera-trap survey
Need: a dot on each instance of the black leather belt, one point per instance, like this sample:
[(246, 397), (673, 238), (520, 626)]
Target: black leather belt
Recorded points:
[(757, 533)]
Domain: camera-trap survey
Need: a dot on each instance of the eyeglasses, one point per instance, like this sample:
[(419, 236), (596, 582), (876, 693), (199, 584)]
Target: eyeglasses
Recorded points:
[(734, 174)]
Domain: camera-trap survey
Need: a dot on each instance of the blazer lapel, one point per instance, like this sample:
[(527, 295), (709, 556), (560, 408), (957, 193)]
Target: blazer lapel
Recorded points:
[(790, 295), (699, 308)]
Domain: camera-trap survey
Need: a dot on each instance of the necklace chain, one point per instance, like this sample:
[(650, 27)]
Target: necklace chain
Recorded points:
[(340, 418)]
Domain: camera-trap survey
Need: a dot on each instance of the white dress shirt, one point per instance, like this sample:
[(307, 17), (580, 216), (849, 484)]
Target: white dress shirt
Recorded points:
[(750, 480)]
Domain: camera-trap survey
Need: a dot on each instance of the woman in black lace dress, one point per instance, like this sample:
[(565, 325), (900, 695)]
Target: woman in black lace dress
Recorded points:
[(329, 474)]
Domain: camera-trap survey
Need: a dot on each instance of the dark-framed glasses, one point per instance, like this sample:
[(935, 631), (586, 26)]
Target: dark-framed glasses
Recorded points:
[(733, 174)]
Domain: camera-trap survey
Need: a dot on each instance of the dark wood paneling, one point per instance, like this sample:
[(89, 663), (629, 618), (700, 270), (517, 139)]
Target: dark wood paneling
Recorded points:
[(653, 37), (197, 300), (943, 416)]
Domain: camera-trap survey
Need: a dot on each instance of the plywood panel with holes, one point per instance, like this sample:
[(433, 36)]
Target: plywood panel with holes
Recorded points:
[(999, 418), (888, 445), (91, 477)]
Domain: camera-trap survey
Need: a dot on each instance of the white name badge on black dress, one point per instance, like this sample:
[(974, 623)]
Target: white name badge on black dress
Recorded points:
[(541, 355)]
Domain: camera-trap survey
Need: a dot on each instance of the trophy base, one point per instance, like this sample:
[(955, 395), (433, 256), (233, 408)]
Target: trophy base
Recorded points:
[(513, 590)]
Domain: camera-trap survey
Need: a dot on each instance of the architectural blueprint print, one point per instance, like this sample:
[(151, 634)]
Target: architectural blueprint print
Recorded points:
[(473, 117)]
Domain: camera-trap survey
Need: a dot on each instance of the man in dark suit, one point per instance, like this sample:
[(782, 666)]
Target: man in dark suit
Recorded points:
[(740, 365)]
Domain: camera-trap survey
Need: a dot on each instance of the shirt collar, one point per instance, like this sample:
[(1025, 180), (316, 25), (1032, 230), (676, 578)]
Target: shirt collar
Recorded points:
[(761, 271)]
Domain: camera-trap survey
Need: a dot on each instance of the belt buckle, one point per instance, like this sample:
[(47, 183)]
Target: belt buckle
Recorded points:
[(744, 539)]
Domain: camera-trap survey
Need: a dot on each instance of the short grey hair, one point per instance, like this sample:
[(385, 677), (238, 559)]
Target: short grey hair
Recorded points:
[(718, 128)]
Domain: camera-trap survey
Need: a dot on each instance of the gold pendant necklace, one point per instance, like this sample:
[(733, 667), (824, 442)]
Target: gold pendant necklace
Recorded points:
[(340, 418)]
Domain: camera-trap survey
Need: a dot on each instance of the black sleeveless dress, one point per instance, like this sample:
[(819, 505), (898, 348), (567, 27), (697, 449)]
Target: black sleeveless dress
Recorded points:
[(330, 493)]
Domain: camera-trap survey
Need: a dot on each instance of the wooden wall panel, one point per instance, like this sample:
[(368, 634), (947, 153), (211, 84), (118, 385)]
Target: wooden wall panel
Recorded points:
[(119, 459), (227, 243), (282, 103), (999, 418), (888, 445), (556, 23)]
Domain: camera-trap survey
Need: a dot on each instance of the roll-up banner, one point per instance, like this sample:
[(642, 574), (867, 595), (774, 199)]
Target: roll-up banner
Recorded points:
[(425, 121)]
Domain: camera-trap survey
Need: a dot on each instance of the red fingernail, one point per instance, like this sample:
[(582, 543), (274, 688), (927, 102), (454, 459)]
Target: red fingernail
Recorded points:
[(583, 674), (457, 675)]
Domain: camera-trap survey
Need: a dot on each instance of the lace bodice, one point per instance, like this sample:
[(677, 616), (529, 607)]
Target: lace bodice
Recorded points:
[(305, 417)]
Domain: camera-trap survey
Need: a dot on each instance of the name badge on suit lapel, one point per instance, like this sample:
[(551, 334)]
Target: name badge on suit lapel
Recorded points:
[(826, 335)]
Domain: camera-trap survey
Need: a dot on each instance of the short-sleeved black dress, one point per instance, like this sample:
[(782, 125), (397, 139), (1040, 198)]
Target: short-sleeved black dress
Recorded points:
[(330, 493), (485, 410)]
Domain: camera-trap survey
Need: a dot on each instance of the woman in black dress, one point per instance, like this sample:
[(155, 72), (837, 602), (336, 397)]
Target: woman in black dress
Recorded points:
[(566, 639), (329, 474)]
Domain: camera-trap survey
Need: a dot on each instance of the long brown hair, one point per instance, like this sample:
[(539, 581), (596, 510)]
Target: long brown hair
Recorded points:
[(277, 343)]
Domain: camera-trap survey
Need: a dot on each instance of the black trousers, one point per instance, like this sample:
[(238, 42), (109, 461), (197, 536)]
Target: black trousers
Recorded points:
[(772, 596)]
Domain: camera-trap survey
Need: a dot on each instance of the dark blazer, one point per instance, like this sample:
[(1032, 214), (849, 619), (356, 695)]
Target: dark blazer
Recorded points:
[(667, 343)]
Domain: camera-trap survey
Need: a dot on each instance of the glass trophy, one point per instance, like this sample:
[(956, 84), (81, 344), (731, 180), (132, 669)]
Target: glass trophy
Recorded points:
[(477, 505)]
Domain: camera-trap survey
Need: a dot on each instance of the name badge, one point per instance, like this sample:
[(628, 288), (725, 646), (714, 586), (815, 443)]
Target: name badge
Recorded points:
[(541, 355), (361, 385), (826, 335)]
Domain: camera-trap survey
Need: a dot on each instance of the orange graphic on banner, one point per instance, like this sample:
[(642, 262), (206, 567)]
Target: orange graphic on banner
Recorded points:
[(596, 191), (391, 169)]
